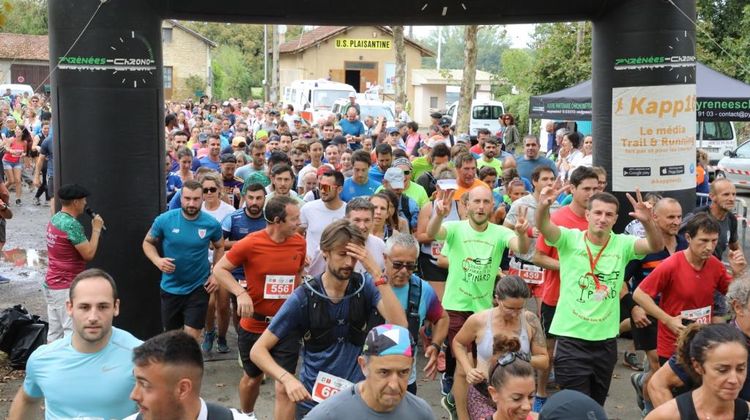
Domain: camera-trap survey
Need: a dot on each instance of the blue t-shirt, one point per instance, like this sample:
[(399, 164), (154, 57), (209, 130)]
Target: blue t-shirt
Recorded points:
[(46, 150), (526, 167), (236, 226), (187, 242), (376, 174), (413, 211), (352, 189), (355, 128), (78, 385), (341, 358), (207, 162), (175, 202), (174, 182)]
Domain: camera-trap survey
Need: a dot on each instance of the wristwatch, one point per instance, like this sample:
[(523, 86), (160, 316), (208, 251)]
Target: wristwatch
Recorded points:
[(381, 281)]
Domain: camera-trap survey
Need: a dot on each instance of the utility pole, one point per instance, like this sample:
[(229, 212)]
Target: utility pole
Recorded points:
[(265, 63), (440, 45), (275, 66)]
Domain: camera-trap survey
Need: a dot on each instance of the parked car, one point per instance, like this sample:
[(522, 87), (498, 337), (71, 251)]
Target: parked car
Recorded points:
[(735, 166), (484, 114), (16, 89)]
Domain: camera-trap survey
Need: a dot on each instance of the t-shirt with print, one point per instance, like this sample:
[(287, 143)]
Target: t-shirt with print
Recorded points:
[(64, 232), (238, 225), (429, 308), (187, 242), (684, 290), (579, 313), (473, 260), (339, 359), (565, 217), (271, 269)]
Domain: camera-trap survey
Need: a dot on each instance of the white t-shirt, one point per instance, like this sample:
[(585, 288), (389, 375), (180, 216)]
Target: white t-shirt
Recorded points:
[(315, 216), (219, 214), (375, 246)]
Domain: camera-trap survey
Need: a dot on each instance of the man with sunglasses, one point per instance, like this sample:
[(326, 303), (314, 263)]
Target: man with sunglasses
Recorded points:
[(185, 235), (318, 214)]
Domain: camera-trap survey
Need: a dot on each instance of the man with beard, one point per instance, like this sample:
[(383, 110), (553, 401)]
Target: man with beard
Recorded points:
[(282, 179), (489, 156), (87, 374), (232, 185), (213, 159), (185, 235), (474, 248), (258, 164), (272, 259), (384, 158), (331, 313), (318, 214), (531, 158), (168, 370)]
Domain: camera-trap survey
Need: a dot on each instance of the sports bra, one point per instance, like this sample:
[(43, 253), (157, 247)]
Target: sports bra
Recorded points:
[(484, 346), (686, 407)]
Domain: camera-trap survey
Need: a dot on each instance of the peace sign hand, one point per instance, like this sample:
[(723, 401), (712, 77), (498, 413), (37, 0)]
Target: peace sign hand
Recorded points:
[(443, 202), (641, 209), (522, 225), (549, 194)]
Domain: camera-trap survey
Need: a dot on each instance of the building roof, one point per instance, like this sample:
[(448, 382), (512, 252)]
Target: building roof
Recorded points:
[(192, 32), (323, 33), (24, 47), (447, 77)]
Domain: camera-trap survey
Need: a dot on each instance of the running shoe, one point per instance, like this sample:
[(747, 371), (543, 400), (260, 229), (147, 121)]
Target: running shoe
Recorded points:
[(636, 380), (538, 403), (251, 416), (208, 341), (446, 384), (221, 345), (630, 359), (18, 201), (4, 280), (36, 201), (449, 405)]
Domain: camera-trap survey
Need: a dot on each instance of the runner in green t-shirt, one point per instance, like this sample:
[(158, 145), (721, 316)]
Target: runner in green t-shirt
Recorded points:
[(474, 248), (592, 266)]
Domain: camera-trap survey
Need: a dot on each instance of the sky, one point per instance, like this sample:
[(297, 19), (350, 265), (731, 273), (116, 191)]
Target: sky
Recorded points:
[(518, 34)]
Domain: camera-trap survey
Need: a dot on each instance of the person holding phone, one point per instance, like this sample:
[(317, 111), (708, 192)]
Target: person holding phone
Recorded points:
[(687, 298)]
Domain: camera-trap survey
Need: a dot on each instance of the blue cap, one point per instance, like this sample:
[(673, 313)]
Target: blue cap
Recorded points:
[(386, 340)]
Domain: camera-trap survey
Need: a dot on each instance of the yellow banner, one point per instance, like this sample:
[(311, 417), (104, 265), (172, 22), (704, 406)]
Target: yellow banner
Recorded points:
[(363, 44)]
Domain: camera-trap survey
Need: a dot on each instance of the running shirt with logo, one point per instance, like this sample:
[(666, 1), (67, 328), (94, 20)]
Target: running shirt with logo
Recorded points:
[(64, 232), (238, 225), (581, 313), (684, 291), (565, 217), (272, 272), (187, 242), (473, 258)]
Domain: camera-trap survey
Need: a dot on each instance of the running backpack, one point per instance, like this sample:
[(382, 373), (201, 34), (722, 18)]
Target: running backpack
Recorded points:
[(412, 311)]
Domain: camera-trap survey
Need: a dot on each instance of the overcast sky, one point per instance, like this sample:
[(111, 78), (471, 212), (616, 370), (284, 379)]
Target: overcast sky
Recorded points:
[(518, 34)]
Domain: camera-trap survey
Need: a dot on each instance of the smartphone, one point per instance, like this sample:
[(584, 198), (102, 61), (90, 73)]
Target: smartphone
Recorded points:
[(447, 184)]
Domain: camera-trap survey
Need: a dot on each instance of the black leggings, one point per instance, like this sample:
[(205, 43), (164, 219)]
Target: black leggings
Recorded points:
[(43, 188)]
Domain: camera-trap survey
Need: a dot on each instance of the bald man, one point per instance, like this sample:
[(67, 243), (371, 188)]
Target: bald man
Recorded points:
[(474, 248)]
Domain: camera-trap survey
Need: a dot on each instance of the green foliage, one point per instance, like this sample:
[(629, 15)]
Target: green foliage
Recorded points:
[(195, 83), (24, 17), (727, 22), (517, 64), (518, 105), (492, 40), (229, 65), (560, 61)]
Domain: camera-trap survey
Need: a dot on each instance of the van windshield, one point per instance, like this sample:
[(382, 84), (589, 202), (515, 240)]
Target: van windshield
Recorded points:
[(715, 130), (376, 111), (324, 98), (486, 112)]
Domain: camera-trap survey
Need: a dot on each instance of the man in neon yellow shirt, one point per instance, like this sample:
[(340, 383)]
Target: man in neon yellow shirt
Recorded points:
[(489, 156), (592, 268), (411, 189)]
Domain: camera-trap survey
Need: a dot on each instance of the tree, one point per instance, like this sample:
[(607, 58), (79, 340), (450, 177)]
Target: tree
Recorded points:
[(517, 64), (492, 40), (398, 40), (231, 78), (468, 81), (274, 96), (556, 64), (24, 16)]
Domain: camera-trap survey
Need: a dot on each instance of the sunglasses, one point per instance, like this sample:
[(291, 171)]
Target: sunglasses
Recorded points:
[(398, 265), (210, 190), (407, 173), (510, 358), (327, 188)]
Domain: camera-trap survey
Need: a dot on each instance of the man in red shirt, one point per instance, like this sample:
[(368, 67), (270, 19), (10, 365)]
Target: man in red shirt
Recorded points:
[(686, 282), (273, 259), (584, 183)]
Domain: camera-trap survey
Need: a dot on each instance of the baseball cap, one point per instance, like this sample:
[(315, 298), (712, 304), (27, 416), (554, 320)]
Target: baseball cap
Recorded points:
[(239, 141), (228, 158), (261, 134), (273, 112), (395, 177), (445, 121), (338, 140), (436, 115), (202, 137), (274, 138), (257, 178), (225, 103), (324, 169), (387, 340), (571, 405), (72, 192), (392, 130), (402, 162), (352, 95), (464, 138)]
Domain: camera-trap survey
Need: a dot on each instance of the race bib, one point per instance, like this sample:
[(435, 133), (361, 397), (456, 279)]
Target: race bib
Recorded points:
[(530, 273), (699, 316), (278, 287), (327, 385), (435, 248)]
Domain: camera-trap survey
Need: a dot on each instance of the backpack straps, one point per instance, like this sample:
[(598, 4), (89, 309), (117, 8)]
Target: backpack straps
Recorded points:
[(405, 209)]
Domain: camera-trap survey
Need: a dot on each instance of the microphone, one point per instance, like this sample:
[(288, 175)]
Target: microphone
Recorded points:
[(92, 215)]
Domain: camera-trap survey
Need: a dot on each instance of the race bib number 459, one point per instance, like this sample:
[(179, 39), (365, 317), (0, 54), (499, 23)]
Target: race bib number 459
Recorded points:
[(278, 287), (327, 385), (531, 274)]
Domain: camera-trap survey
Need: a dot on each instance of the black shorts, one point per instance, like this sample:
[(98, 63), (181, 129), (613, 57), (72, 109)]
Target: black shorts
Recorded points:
[(2, 230), (285, 352), (50, 184), (547, 312), (180, 310), (430, 271), (586, 366), (644, 338)]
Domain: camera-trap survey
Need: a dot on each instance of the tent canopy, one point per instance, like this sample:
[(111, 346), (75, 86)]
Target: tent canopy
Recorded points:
[(720, 98)]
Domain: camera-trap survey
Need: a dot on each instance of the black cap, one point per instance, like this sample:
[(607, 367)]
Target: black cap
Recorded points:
[(72, 192), (445, 121), (436, 115), (571, 405), (228, 158), (338, 140)]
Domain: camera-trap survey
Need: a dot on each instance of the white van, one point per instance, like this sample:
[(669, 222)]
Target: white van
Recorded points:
[(484, 114), (313, 99), (16, 89), (716, 138), (375, 109)]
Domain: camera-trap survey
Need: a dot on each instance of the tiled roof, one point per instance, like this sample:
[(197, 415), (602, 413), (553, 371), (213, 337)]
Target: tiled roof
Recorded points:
[(322, 33), (24, 47)]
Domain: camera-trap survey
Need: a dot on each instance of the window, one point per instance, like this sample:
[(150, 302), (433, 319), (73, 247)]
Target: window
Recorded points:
[(486, 112), (715, 130), (433, 102), (743, 151), (167, 77), (166, 35)]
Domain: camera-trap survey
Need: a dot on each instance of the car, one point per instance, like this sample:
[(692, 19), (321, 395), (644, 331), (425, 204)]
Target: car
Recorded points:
[(484, 114), (735, 166), (16, 89)]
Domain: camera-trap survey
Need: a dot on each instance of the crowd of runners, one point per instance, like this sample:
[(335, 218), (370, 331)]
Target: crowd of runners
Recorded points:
[(343, 250)]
